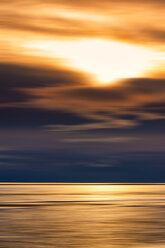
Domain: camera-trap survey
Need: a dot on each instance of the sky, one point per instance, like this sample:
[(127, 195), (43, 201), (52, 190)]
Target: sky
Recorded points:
[(82, 91)]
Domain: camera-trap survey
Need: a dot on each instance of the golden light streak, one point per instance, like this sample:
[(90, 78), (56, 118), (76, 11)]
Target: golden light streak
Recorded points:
[(106, 60)]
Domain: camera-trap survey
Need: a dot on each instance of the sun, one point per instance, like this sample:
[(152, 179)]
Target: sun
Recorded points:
[(105, 60)]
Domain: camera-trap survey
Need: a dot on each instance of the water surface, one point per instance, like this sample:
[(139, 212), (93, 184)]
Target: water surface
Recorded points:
[(82, 215)]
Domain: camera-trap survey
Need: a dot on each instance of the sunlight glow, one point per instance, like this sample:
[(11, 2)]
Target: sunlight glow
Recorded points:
[(105, 60)]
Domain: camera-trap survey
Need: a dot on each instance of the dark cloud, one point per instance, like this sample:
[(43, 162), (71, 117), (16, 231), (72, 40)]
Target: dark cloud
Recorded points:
[(155, 107), (100, 94), (123, 92), (62, 100), (116, 106), (32, 118), (14, 78)]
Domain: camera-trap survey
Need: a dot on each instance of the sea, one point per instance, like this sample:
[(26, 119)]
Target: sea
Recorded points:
[(41, 215)]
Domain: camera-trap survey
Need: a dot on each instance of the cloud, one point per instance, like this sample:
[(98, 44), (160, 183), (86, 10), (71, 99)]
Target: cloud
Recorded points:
[(15, 77), (139, 22), (64, 100), (16, 117), (116, 106), (100, 139)]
